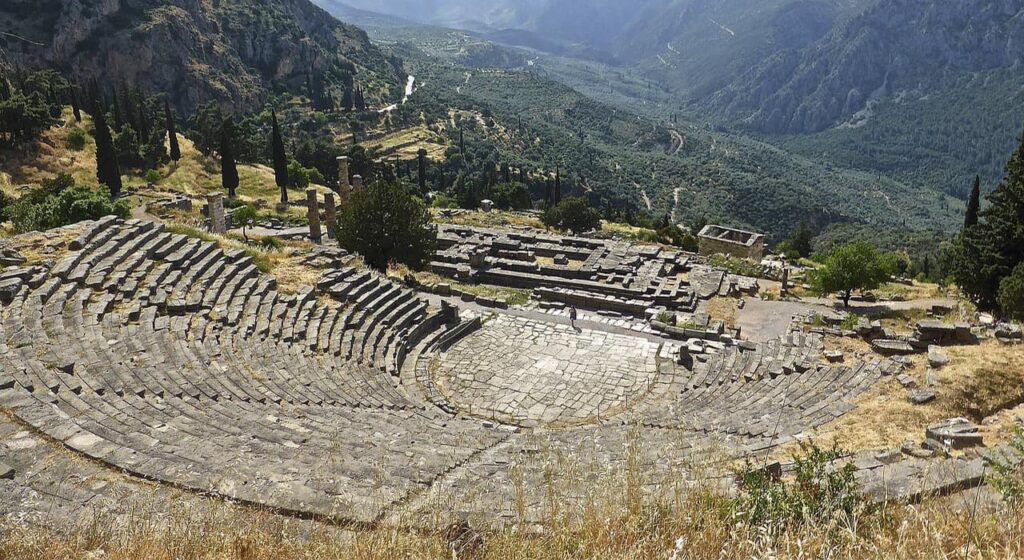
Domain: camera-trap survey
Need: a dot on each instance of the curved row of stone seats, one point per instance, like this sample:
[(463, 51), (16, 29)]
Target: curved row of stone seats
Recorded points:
[(170, 359), (775, 391)]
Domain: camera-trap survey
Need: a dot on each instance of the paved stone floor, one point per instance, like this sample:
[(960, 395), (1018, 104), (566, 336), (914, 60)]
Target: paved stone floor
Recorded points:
[(526, 372)]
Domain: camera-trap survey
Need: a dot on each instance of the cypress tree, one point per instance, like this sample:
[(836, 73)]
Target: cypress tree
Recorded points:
[(347, 102), (108, 172), (973, 204), (360, 99), (76, 108), (118, 117), (172, 133), (462, 143), (228, 169), (280, 158), (558, 186), (421, 160)]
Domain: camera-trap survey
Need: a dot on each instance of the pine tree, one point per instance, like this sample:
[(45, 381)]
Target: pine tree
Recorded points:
[(108, 172), (421, 160), (228, 168), (172, 133), (280, 158), (462, 143), (987, 253), (973, 204)]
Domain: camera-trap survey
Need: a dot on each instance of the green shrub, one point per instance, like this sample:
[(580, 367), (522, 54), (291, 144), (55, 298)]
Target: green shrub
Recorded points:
[(76, 139), (1008, 477), (850, 322), (819, 491), (737, 266), (59, 202), (442, 200), (271, 244), (153, 176)]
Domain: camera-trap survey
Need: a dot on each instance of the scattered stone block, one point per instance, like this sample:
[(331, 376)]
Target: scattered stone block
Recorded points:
[(907, 381), (936, 358), (834, 356), (888, 347), (921, 396), (958, 433), (6, 472)]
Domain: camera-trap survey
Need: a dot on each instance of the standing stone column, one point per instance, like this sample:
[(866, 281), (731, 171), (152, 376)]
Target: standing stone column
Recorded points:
[(343, 183), (357, 182), (313, 213), (330, 214), (215, 211), (785, 280)]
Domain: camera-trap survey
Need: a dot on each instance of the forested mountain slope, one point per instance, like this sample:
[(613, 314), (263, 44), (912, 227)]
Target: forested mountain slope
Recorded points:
[(916, 46), (232, 51)]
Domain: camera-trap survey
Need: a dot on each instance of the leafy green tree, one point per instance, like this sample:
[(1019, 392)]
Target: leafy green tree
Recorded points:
[(1011, 294), (228, 168), (385, 223), (245, 216), (280, 158), (572, 214), (512, 196), (990, 250), (298, 176), (856, 266), (802, 239), (172, 133), (108, 171)]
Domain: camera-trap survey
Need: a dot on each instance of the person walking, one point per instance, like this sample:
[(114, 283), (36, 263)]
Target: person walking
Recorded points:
[(572, 316)]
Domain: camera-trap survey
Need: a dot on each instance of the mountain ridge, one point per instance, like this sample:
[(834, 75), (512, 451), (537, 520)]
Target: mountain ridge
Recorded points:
[(232, 52)]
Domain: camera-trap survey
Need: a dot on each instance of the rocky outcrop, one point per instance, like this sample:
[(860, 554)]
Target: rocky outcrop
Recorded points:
[(229, 52), (896, 46)]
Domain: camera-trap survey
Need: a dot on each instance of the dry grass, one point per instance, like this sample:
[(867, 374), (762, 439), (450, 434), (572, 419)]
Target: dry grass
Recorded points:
[(491, 219), (724, 310), (291, 274), (968, 386), (625, 524), (407, 142), (36, 246)]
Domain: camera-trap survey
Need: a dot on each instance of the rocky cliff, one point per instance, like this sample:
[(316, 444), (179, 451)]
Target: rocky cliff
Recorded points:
[(231, 51), (899, 45)]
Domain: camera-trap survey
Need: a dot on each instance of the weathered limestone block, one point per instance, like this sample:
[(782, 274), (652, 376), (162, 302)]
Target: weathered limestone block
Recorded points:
[(215, 210)]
